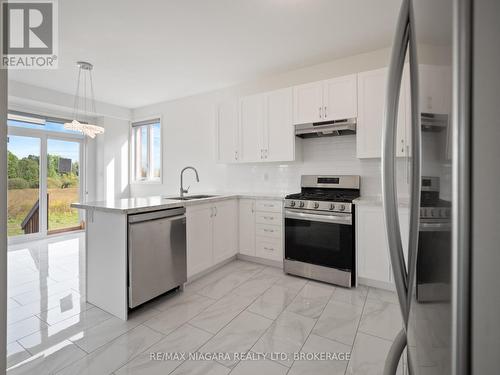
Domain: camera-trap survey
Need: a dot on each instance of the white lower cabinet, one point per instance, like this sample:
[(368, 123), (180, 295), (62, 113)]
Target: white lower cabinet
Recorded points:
[(199, 235), (246, 224), (371, 242), (225, 230), (212, 234), (261, 229)]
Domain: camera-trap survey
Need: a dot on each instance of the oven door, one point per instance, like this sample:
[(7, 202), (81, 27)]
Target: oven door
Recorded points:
[(324, 239)]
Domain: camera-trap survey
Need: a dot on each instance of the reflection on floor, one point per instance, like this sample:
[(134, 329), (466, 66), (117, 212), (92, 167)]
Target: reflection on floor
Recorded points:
[(240, 308)]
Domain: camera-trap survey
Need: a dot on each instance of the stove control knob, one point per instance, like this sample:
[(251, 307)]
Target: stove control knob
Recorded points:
[(292, 204), (301, 204), (316, 204), (342, 207), (332, 207)]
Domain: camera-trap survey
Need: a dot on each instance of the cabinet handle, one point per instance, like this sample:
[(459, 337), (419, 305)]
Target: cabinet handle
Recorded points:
[(320, 112), (268, 217), (269, 230), (268, 248), (216, 211), (326, 115), (236, 155), (253, 207)]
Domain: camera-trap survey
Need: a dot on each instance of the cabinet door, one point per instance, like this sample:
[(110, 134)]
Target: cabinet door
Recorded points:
[(225, 230), (247, 226), (308, 103), (252, 128), (371, 244), (340, 98), (227, 133), (279, 133), (199, 238), (434, 85), (371, 101)]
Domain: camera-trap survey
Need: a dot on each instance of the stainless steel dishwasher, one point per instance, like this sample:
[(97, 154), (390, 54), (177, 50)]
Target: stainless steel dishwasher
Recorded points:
[(156, 254)]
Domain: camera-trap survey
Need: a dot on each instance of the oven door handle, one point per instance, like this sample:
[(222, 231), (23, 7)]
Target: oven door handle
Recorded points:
[(345, 219)]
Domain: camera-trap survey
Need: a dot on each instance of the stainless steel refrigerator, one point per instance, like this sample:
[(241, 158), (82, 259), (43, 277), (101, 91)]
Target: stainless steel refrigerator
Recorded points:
[(448, 288)]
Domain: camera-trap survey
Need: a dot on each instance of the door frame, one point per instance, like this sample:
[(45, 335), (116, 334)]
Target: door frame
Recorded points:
[(44, 136)]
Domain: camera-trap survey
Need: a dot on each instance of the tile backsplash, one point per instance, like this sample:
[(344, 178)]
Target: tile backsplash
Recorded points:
[(327, 155)]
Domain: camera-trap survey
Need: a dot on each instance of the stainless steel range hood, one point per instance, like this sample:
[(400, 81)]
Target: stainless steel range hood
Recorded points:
[(326, 129)]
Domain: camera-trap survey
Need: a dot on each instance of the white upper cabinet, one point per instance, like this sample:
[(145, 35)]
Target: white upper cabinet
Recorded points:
[(371, 101), (308, 103), (252, 119), (340, 98), (333, 99), (279, 133), (435, 82), (227, 133)]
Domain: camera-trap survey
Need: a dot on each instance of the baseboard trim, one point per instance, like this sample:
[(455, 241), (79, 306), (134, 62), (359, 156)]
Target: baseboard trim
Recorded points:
[(210, 269), (376, 284), (265, 262)]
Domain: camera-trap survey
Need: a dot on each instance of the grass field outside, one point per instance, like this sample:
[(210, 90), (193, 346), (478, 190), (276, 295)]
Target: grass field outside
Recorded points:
[(61, 215)]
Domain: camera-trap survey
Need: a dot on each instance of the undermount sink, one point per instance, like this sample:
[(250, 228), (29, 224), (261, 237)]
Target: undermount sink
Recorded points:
[(191, 197)]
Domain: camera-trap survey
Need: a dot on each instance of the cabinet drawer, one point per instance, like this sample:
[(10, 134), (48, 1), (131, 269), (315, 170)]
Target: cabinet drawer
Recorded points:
[(269, 249), (264, 230), (268, 206), (274, 218)]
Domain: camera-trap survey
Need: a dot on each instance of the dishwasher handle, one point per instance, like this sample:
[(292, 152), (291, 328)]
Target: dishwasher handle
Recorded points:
[(155, 215)]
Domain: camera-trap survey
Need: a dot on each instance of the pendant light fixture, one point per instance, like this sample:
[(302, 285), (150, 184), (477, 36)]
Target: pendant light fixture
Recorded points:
[(84, 107)]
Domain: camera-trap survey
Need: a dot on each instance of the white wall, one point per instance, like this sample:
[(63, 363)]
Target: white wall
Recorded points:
[(188, 135)]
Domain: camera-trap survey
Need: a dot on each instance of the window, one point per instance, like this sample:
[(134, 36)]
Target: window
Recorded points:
[(146, 150)]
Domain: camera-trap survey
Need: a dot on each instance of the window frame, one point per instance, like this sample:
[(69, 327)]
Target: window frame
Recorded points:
[(134, 126)]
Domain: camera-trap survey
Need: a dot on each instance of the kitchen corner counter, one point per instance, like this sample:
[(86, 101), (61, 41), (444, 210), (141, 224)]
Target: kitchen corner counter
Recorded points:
[(155, 203), (376, 200)]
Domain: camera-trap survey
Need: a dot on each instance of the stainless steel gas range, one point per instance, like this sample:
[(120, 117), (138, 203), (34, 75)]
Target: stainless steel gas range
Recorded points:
[(320, 230)]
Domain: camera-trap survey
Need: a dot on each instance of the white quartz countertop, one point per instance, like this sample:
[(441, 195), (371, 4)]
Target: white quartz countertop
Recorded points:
[(376, 200), (155, 203)]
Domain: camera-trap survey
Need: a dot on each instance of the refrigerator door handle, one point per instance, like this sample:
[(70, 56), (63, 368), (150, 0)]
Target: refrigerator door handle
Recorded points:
[(389, 191), (416, 161)]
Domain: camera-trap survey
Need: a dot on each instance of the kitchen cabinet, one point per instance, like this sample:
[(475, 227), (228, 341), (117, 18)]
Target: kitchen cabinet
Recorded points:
[(199, 234), (225, 230), (252, 122), (340, 98), (371, 102), (435, 82), (261, 229), (267, 133), (329, 100), (211, 234), (308, 103), (228, 143), (279, 133), (246, 228), (371, 242)]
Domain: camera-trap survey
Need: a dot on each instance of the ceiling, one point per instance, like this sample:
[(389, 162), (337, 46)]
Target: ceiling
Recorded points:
[(155, 50)]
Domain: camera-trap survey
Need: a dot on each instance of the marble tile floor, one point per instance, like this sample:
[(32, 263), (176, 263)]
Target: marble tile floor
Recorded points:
[(241, 307)]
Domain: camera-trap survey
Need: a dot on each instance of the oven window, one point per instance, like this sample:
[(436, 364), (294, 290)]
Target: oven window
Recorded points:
[(324, 244)]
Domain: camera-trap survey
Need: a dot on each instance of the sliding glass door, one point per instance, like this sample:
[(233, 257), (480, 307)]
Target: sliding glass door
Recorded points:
[(44, 178), (63, 185), (23, 173)]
